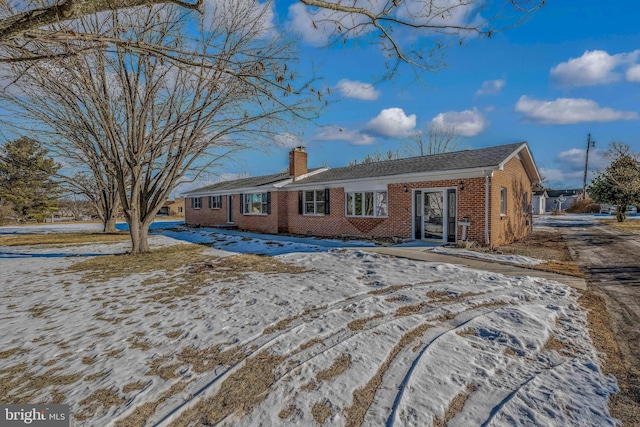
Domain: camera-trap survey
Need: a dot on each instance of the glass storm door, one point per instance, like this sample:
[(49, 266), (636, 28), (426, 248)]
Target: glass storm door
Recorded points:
[(451, 216), (433, 214), (417, 206)]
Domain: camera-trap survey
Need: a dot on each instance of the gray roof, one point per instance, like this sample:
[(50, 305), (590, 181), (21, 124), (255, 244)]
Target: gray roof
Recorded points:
[(255, 181), (490, 157)]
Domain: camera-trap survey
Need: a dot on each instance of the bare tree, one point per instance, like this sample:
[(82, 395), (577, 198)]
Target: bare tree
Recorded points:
[(411, 31), (377, 156), (438, 138), (148, 119), (101, 190)]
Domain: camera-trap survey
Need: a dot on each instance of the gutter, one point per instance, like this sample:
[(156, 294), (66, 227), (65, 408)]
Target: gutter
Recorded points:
[(487, 174)]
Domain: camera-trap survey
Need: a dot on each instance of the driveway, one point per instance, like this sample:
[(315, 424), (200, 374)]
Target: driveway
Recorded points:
[(611, 259)]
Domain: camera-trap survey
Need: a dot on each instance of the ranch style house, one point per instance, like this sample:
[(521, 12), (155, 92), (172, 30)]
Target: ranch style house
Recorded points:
[(481, 195)]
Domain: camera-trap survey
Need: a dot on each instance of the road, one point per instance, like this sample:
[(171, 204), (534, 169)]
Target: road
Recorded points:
[(611, 259)]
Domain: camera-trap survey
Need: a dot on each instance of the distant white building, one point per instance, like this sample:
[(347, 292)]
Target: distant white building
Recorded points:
[(547, 201)]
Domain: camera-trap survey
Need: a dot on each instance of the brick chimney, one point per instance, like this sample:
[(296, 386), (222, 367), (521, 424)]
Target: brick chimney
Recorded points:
[(297, 162)]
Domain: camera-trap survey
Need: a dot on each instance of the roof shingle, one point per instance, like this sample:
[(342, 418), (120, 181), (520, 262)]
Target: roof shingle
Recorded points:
[(467, 159)]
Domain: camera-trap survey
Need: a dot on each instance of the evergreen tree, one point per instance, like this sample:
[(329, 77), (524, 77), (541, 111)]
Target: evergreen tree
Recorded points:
[(26, 179)]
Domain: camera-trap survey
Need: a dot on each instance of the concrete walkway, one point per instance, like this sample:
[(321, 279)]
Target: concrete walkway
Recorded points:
[(421, 253)]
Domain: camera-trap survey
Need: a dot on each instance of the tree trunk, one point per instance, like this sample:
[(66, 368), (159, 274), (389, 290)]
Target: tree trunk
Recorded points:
[(109, 225), (139, 237)]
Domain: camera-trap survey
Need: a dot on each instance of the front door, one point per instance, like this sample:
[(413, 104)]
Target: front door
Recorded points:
[(433, 214), (230, 208)]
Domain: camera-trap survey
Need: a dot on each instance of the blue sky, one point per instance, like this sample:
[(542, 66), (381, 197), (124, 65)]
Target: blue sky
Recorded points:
[(570, 70)]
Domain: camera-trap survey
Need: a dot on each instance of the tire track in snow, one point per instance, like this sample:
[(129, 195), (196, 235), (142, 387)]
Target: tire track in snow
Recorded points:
[(176, 404), (403, 384)]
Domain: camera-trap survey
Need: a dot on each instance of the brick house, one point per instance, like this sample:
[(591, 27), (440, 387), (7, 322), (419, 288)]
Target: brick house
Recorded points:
[(482, 195)]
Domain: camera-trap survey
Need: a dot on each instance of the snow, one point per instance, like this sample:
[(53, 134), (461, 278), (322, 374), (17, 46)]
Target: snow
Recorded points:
[(510, 259), (485, 335)]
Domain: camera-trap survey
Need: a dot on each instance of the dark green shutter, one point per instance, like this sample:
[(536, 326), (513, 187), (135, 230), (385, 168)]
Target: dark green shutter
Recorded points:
[(300, 202), (326, 201), (241, 203), (269, 203)]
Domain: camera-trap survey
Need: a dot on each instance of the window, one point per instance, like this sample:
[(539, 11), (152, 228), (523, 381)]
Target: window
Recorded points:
[(215, 202), (257, 203), (525, 200), (314, 202), (503, 201), (196, 202), (179, 209), (367, 204)]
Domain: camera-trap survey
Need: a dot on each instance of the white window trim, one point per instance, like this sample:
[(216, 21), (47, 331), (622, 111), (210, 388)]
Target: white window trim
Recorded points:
[(212, 205), (353, 207), (196, 203), (315, 203), (263, 203), (503, 200)]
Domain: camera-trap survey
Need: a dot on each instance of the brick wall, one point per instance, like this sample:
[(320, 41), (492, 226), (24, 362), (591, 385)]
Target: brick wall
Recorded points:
[(515, 224), (471, 204), (205, 216), (399, 221)]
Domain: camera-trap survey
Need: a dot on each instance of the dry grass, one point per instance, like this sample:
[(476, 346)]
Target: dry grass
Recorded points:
[(554, 344), (238, 393), (38, 310), (310, 386), (541, 244), (387, 290), (338, 367), (630, 226), (160, 368), (142, 412), (103, 398), (320, 412), (280, 326), (128, 388), (287, 412), (8, 353), (623, 405), (310, 343), (358, 325), (247, 263), (167, 259), (408, 310), (363, 397), (568, 268), (206, 359), (61, 239), (455, 407), (19, 385)]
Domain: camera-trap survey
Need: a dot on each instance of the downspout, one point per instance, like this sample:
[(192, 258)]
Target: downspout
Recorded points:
[(486, 208)]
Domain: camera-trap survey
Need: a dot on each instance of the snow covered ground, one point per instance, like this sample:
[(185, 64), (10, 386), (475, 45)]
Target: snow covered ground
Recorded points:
[(322, 335)]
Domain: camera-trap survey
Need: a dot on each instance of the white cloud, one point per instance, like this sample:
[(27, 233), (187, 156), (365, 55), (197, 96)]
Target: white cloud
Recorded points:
[(594, 67), (564, 111), (357, 90), (573, 160), (465, 123), (491, 87), (353, 137), (392, 122), (633, 73), (317, 27)]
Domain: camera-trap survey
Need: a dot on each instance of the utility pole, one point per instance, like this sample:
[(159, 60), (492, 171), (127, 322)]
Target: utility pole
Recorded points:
[(590, 144)]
